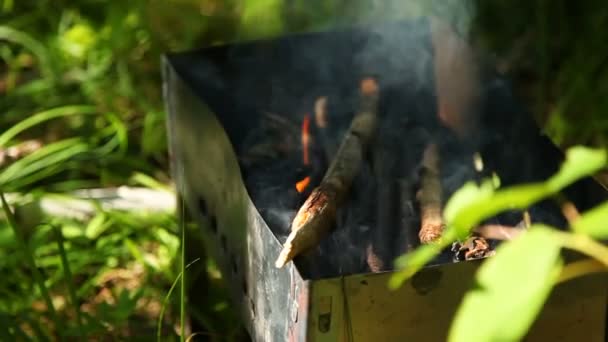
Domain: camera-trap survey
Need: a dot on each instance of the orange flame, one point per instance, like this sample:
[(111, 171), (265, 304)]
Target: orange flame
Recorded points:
[(305, 139), (301, 185)]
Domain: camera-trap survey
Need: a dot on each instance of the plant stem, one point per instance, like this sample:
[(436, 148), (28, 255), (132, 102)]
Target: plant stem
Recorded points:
[(29, 259), (166, 301), (182, 309), (585, 245), (580, 268), (68, 278)]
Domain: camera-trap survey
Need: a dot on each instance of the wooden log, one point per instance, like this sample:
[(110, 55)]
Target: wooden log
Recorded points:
[(322, 128), (315, 217), (408, 218), (431, 225), (500, 232), (381, 249)]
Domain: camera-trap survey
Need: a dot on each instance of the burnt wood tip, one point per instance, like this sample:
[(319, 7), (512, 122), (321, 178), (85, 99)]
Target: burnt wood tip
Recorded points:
[(316, 216), (369, 86), (311, 223), (431, 225)]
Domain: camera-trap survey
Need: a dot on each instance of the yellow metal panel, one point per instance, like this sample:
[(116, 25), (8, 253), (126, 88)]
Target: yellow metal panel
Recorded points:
[(363, 309)]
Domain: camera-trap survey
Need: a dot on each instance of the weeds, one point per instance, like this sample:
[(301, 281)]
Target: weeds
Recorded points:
[(84, 80)]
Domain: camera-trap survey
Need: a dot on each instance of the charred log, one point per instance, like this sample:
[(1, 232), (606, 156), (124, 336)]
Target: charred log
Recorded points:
[(315, 217), (431, 225)]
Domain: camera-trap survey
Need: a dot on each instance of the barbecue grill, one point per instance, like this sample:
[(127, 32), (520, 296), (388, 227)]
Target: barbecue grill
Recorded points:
[(218, 97)]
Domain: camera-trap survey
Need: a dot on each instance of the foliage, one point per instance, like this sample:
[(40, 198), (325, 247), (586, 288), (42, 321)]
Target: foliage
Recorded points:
[(83, 78), (497, 285)]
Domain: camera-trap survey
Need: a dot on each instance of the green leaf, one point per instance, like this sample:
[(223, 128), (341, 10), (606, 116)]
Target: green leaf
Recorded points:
[(412, 262), (512, 288), (593, 222), (468, 195), (472, 204), (580, 162), (97, 226), (42, 161), (36, 47), (261, 18), (485, 205)]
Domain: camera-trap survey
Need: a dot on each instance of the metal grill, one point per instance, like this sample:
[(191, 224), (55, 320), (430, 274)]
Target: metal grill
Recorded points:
[(209, 114)]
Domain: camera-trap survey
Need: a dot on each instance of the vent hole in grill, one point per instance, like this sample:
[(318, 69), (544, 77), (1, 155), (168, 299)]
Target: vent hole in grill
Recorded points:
[(244, 284), (252, 305), (202, 206), (224, 242), (235, 267), (213, 224)]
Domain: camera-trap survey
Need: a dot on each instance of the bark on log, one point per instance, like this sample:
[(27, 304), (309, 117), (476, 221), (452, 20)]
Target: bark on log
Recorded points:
[(431, 225), (381, 249), (315, 217)]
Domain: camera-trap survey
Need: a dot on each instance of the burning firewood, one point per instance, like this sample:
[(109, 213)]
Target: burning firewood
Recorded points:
[(321, 112), (381, 250), (315, 217), (305, 137), (431, 221), (475, 247), (328, 144), (408, 222), (500, 232)]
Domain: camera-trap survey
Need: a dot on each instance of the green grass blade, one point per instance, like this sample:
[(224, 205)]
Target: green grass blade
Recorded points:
[(182, 302), (41, 117), (149, 182), (166, 300), (41, 160), (69, 279), (120, 139), (25, 40), (5, 323), (29, 259), (40, 334)]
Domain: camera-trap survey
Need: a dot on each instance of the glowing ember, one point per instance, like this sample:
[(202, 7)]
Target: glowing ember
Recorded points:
[(301, 185), (305, 139), (320, 112), (369, 86)]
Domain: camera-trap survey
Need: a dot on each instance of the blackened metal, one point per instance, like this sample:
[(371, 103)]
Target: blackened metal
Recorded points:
[(217, 99)]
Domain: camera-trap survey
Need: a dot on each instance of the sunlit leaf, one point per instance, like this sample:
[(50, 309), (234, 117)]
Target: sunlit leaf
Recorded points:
[(411, 263), (472, 204), (469, 194), (580, 162), (484, 206), (594, 222), (77, 41), (511, 289), (97, 226), (262, 18)]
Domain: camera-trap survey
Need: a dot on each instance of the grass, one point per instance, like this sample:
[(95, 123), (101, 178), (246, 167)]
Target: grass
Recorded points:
[(83, 79)]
